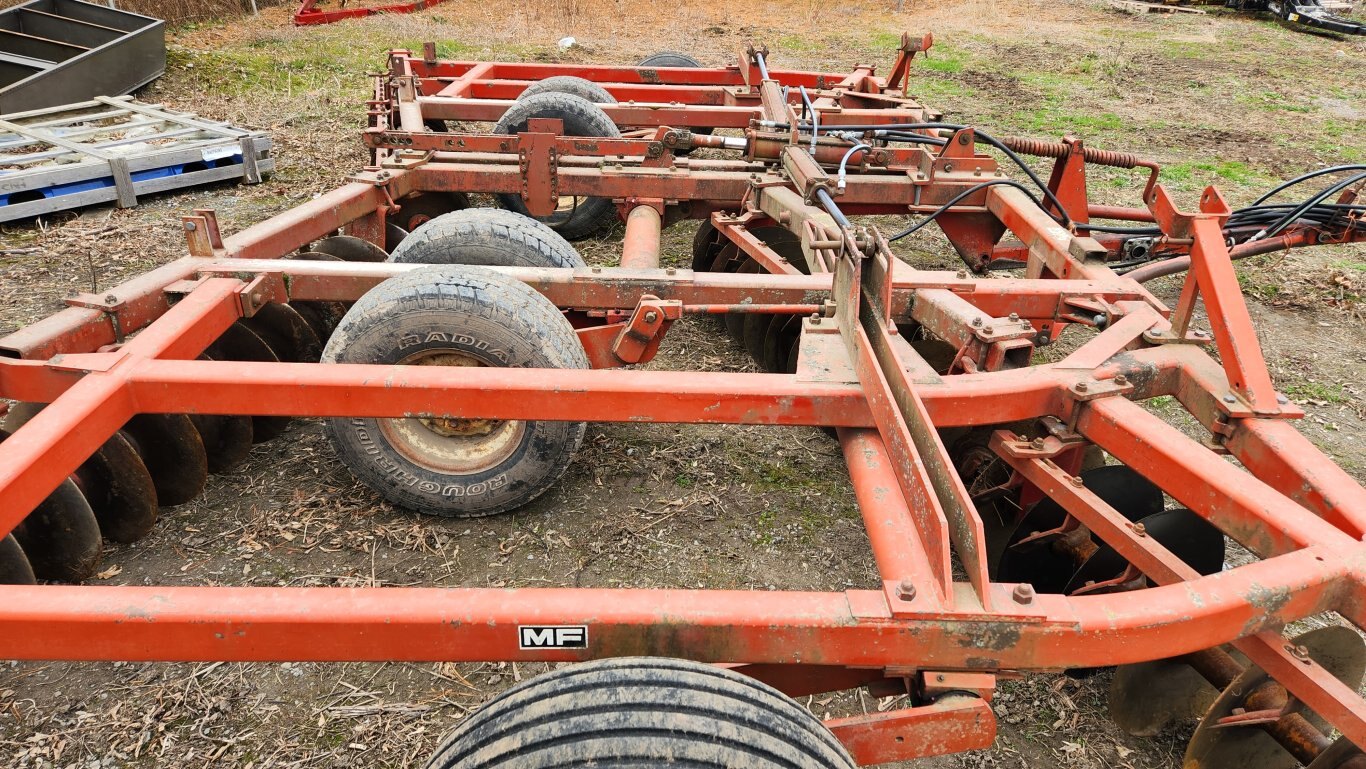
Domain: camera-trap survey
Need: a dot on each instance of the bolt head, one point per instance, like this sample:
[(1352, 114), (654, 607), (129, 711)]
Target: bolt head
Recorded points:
[(906, 590), (1076, 481), (111, 299), (1023, 594), (1230, 399), (1281, 399), (1120, 379), (651, 317), (1015, 316), (189, 226), (976, 322), (1082, 387), (1036, 444)]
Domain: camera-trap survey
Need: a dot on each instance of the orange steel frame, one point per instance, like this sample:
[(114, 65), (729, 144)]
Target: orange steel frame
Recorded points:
[(132, 350)]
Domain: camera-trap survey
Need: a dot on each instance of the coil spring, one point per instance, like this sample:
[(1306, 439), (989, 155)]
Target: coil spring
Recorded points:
[(1049, 149)]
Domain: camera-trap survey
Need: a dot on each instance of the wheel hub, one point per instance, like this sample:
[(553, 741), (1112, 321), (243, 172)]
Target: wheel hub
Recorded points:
[(451, 444)]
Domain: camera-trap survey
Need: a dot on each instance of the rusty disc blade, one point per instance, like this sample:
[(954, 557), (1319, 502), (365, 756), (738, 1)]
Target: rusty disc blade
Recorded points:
[(755, 333), (173, 453), (706, 245), (1188, 536), (1339, 650), (14, 566), (120, 490), (60, 537), (735, 321), (241, 343), (1132, 495), (227, 439), (1147, 696), (783, 332), (286, 332), (114, 481), (350, 249)]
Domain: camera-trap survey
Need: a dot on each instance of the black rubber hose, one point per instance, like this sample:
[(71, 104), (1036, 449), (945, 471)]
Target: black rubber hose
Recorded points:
[(960, 196)]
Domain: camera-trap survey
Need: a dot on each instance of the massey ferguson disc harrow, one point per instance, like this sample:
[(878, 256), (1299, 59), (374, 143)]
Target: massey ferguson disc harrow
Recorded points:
[(1025, 511)]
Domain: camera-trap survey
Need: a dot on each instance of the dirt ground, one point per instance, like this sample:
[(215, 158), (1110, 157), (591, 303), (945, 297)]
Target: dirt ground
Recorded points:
[(1217, 98)]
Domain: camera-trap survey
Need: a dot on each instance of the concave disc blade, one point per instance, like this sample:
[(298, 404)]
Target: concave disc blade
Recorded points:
[(1339, 650), (60, 537), (782, 334), (172, 451), (120, 490), (1146, 696), (1188, 536), (1132, 495), (14, 566), (755, 331), (241, 343), (735, 321), (285, 330), (350, 249), (114, 481), (706, 245)]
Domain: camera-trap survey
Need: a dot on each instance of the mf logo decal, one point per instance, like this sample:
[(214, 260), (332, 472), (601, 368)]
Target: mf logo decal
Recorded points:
[(552, 636)]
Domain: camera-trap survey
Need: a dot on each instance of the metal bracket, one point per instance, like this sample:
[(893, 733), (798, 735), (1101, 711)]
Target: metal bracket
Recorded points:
[(538, 159), (640, 337)]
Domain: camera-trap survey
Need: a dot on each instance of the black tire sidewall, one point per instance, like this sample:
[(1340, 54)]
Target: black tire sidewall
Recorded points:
[(482, 324)]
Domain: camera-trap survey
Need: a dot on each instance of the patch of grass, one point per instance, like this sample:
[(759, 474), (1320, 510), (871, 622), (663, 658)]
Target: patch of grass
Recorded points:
[(1271, 101), (943, 58), (1202, 172), (1308, 390)]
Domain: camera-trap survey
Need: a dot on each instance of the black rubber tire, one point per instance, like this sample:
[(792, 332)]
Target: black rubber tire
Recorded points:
[(491, 237), (417, 209), (669, 59), (674, 59), (641, 712), (581, 118), (482, 315), (584, 89)]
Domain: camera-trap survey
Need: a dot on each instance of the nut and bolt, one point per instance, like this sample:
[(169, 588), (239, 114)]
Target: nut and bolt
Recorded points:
[(986, 329), (1140, 530), (651, 317), (906, 590), (962, 274), (1120, 379), (1036, 444), (1015, 316), (111, 299), (1082, 387), (948, 168), (1300, 653), (976, 322), (1023, 594), (1076, 481)]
